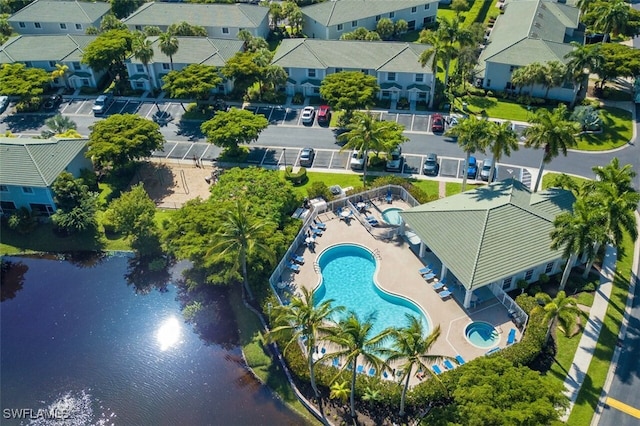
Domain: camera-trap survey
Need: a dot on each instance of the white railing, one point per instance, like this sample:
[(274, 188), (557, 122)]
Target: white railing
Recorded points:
[(520, 318)]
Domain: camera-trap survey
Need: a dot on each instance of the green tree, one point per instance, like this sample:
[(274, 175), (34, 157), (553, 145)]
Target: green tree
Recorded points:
[(169, 45), (246, 68), (302, 319), (108, 52), (349, 90), (503, 140), (251, 42), (401, 26), (227, 129), (355, 341), (340, 391), (439, 51), (367, 133), (143, 51), (293, 14), (473, 135), (552, 131), (68, 191), (122, 138), (184, 29), (25, 83), (240, 236), (555, 75), (459, 6), (619, 60), (61, 72), (613, 16), (561, 309), (276, 13), (152, 31), (412, 347), (581, 58), (123, 8), (361, 33), (110, 22), (76, 206), (195, 81), (385, 28), (60, 124)]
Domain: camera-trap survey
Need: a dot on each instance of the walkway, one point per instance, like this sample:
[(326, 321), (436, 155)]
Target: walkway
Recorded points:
[(589, 340)]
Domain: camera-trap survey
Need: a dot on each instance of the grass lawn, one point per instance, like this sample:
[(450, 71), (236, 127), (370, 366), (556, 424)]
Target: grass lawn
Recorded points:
[(428, 186), (495, 108), (618, 131), (549, 177), (330, 179), (255, 353), (453, 188)]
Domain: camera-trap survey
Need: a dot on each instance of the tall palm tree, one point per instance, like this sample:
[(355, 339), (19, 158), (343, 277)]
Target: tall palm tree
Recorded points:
[(561, 309), (581, 58), (555, 75), (613, 17), (365, 132), (552, 131), (440, 51), (303, 319), (169, 45), (575, 233), (412, 347), (503, 140), (60, 123), (143, 51), (473, 135), (240, 236), (353, 336), (583, 5)]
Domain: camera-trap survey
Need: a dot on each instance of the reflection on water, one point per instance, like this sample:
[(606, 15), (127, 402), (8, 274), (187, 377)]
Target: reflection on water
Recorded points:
[(72, 409), (81, 339)]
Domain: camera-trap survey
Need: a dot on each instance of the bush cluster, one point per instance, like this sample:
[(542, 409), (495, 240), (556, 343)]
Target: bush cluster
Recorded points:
[(417, 193), (297, 178)]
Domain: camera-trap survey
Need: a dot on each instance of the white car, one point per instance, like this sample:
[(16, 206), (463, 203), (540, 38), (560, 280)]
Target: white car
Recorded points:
[(308, 114), (4, 103)]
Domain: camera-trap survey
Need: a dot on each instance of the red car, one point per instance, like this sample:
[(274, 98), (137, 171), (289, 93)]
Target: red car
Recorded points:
[(324, 114), (437, 125)]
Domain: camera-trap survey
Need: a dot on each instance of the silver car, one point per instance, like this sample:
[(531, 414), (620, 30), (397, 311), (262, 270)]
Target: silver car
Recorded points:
[(431, 166), (4, 103)]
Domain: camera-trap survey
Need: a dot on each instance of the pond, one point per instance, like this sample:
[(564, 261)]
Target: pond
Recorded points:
[(78, 337)]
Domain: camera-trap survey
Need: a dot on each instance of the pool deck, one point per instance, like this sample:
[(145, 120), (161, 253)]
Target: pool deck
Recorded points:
[(398, 274)]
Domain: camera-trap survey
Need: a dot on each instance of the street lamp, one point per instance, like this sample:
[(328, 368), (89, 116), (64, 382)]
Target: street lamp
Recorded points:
[(284, 156)]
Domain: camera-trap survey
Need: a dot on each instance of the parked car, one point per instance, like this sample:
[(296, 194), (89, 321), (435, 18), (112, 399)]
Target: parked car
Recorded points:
[(306, 157), (102, 104), (394, 163), (4, 103), (431, 166), (308, 114), (357, 160), (324, 114), (472, 168), (437, 125), (486, 169), (52, 102)]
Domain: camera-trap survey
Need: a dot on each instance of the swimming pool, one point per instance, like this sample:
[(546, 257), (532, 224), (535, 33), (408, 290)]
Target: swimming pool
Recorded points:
[(482, 334), (391, 216), (347, 277)]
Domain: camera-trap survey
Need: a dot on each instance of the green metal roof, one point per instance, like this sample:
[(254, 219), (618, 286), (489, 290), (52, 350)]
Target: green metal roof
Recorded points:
[(204, 15), (387, 86), (58, 48), (36, 162), (492, 232), (313, 82), (530, 31), (338, 12), (196, 50), (350, 54), (78, 12), (422, 87)]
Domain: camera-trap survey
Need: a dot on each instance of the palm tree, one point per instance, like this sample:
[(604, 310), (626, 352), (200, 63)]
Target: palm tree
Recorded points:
[(613, 17), (364, 133), (581, 58), (561, 309), (412, 347), (61, 71), (353, 337), (552, 131), (473, 135), (60, 124), (554, 76), (168, 44), (240, 236), (576, 233), (440, 51), (143, 51), (340, 390), (583, 5), (503, 140), (304, 320)]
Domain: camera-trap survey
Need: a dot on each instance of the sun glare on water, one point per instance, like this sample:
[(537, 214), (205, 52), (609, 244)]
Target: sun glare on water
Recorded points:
[(168, 334)]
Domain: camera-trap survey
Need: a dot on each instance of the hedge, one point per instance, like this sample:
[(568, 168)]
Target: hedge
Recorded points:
[(295, 178)]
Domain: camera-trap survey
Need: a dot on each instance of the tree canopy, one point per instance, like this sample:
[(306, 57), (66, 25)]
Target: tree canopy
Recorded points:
[(349, 90), (185, 29), (123, 8), (18, 80), (237, 126), (108, 51), (121, 138), (246, 68), (76, 205), (195, 81), (619, 60)]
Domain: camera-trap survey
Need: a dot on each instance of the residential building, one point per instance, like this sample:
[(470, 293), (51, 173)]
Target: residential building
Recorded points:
[(530, 31), (191, 50), (394, 64), (220, 20), (45, 51), (58, 17), (331, 19), (28, 168), (493, 235)]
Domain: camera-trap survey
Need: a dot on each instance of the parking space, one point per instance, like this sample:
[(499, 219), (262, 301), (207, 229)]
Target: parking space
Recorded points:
[(505, 172), (421, 123), (256, 154), (166, 149), (72, 106), (323, 159), (292, 116), (273, 157), (277, 115), (387, 116), (116, 107), (449, 167), (340, 160), (147, 109), (131, 107), (180, 151), (211, 152), (175, 110), (198, 149), (290, 157), (413, 164), (406, 120), (266, 111)]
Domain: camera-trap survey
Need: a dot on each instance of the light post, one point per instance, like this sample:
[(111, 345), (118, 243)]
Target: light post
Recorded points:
[(284, 157)]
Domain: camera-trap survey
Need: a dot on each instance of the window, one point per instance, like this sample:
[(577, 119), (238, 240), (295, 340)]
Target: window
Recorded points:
[(77, 66), (377, 18), (489, 83), (166, 66), (138, 27), (287, 71), (426, 6), (37, 25), (392, 15), (340, 27), (428, 19), (27, 190), (85, 82), (548, 268), (78, 26), (316, 90), (139, 85), (139, 68), (365, 72), (506, 284), (512, 68), (386, 94), (528, 274), (41, 209), (411, 25), (221, 88), (21, 24), (311, 73), (419, 78), (28, 64), (4, 188), (225, 30), (414, 9), (52, 64), (63, 26), (338, 69), (391, 76), (354, 24), (509, 86)]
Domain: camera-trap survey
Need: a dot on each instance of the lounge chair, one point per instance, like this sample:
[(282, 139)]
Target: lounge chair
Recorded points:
[(429, 276), (372, 371), (439, 286), (297, 259), (335, 362), (425, 270), (493, 351), (459, 359), (445, 294), (316, 231), (389, 197), (511, 339), (436, 369), (360, 369), (448, 365), (293, 267), (372, 220), (319, 225)]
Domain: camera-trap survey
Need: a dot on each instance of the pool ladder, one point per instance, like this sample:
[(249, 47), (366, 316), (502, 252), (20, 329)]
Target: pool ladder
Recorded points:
[(376, 254), (316, 267)]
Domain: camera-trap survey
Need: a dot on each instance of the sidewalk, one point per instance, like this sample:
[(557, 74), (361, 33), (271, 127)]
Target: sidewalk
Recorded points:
[(589, 340)]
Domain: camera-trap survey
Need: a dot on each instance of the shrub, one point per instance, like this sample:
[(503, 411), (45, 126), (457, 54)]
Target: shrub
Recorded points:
[(298, 98), (295, 178), (417, 193), (543, 278), (587, 116), (376, 161), (534, 289), (22, 221), (319, 189)]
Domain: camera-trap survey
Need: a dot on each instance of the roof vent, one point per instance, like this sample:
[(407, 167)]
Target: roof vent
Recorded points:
[(534, 35), (537, 24), (540, 15)]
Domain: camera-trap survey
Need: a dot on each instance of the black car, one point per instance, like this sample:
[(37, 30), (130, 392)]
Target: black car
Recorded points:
[(306, 157), (52, 102)]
